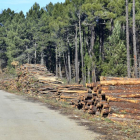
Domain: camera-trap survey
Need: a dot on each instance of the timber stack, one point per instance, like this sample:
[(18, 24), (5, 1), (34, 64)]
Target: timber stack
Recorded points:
[(123, 95), (88, 99), (38, 80), (34, 80)]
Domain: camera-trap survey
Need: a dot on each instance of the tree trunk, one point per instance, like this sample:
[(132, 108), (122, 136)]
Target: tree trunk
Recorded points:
[(42, 58), (76, 57), (35, 52), (139, 66), (134, 42), (66, 69), (81, 47), (88, 75), (60, 72), (56, 57), (69, 65), (88, 46), (127, 41), (112, 26), (92, 53), (100, 41), (28, 56), (78, 71), (102, 50)]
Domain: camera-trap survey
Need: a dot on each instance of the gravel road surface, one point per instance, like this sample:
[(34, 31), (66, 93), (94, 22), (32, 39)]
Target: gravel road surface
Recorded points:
[(25, 120)]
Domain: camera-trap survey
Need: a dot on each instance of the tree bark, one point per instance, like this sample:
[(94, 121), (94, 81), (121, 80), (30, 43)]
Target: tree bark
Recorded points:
[(88, 46), (76, 57), (134, 42), (60, 72), (42, 58), (92, 53), (88, 75), (139, 66), (102, 50), (100, 41), (81, 47), (28, 56), (56, 57), (66, 69), (35, 52), (69, 65), (127, 41)]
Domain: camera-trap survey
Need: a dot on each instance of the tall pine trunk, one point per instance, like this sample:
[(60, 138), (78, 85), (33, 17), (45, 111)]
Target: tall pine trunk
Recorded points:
[(60, 72), (76, 57), (139, 66), (81, 48), (88, 46), (69, 64), (35, 52), (100, 41), (28, 56), (56, 57), (42, 58), (134, 42), (66, 67), (92, 53), (127, 41)]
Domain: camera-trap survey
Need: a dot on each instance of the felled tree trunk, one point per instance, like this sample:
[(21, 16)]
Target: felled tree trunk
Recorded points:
[(120, 82)]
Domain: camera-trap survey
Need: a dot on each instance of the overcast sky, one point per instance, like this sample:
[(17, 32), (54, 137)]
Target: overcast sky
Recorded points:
[(24, 5)]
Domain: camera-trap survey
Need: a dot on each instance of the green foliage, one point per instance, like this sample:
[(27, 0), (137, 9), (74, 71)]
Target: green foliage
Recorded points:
[(10, 71), (55, 26), (115, 54), (88, 61)]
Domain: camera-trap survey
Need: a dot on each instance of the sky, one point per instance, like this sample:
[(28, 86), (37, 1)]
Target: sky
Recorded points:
[(24, 5)]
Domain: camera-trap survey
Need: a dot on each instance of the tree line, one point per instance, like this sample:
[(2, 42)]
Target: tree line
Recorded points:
[(79, 40)]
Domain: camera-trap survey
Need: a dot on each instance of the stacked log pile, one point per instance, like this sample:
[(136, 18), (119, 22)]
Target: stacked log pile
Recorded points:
[(100, 102), (69, 92), (90, 101), (32, 79), (123, 95)]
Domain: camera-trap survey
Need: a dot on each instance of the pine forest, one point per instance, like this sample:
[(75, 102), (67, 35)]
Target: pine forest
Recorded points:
[(78, 40)]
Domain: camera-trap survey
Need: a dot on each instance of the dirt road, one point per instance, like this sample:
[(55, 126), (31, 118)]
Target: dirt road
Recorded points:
[(24, 120)]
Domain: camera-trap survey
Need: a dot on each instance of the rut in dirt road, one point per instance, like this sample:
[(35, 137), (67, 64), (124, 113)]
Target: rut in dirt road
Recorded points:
[(24, 120)]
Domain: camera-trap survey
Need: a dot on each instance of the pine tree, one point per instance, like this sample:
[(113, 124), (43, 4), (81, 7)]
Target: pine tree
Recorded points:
[(115, 54)]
